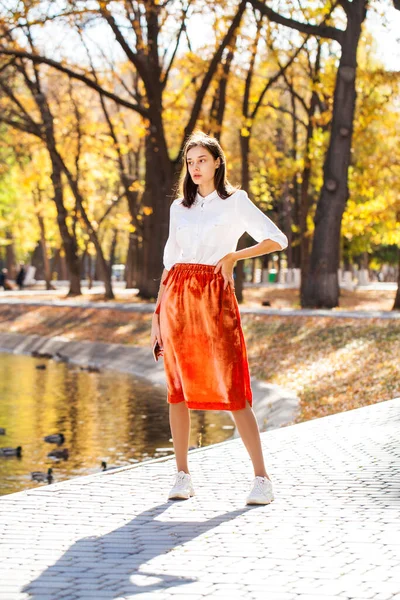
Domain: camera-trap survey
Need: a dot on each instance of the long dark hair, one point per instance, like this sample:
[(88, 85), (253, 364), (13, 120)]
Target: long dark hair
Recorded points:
[(222, 185)]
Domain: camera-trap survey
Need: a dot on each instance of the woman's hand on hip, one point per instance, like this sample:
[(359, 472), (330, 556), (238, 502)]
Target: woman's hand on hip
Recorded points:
[(225, 265)]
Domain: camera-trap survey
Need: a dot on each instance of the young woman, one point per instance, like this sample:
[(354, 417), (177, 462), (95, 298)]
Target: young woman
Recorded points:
[(196, 320)]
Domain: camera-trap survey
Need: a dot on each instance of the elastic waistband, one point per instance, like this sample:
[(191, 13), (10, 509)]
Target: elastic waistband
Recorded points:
[(193, 267)]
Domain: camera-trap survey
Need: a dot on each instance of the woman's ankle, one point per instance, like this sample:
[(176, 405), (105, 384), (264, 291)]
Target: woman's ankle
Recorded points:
[(261, 474)]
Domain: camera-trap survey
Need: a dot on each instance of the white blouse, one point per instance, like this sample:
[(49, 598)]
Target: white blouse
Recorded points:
[(211, 228)]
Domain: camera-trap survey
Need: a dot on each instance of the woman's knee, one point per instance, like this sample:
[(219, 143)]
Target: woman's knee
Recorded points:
[(178, 407)]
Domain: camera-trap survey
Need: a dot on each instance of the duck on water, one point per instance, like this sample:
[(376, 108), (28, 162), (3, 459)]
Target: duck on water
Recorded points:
[(42, 476), (11, 451)]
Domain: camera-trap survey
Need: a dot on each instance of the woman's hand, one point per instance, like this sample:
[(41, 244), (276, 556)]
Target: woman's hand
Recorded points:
[(225, 265), (155, 331)]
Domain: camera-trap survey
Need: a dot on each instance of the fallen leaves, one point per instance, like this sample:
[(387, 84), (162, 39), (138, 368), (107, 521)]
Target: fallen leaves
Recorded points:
[(333, 364)]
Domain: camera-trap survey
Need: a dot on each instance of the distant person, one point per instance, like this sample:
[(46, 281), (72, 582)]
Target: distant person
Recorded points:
[(4, 283), (21, 276), (196, 322)]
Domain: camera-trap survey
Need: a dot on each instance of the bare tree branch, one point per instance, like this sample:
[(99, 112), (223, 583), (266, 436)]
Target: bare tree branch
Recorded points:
[(282, 70), (30, 123), (250, 72), (318, 30), (6, 65), (109, 209), (38, 59), (112, 68), (178, 37), (136, 60), (286, 111), (20, 125), (294, 93), (135, 22)]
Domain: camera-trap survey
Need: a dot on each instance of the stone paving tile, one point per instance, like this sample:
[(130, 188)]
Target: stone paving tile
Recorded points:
[(333, 531)]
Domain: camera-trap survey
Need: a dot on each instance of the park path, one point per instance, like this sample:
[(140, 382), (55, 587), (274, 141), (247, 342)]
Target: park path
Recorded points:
[(333, 531), (148, 307)]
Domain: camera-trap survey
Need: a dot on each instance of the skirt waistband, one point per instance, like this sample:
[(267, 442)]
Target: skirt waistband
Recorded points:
[(193, 267)]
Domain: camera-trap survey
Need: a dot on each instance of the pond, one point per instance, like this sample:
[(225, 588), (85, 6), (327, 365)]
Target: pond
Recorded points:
[(106, 416)]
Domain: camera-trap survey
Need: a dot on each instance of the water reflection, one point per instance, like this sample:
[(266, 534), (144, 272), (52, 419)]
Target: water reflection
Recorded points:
[(104, 416)]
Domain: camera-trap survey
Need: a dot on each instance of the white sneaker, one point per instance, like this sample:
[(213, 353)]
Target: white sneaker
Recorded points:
[(183, 487), (262, 491)]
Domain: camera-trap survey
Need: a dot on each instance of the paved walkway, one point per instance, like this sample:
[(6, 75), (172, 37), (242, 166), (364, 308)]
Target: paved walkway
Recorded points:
[(148, 307), (333, 531)]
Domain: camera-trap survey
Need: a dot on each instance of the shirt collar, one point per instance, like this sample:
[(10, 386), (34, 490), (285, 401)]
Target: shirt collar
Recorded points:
[(207, 198)]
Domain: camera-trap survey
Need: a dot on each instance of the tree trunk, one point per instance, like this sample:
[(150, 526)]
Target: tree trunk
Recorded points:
[(69, 242), (10, 255), (284, 206), (158, 196), (90, 272), (287, 223), (64, 275), (43, 243), (219, 100), (321, 289), (253, 270), (133, 261), (94, 238), (396, 305), (113, 250), (305, 202), (137, 260), (294, 248), (132, 257), (46, 261), (239, 270), (128, 276)]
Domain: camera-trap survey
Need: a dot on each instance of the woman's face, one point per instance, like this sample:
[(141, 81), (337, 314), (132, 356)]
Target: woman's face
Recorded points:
[(201, 165)]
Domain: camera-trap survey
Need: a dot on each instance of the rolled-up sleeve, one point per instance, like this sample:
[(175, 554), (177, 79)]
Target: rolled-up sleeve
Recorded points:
[(171, 248), (256, 223)]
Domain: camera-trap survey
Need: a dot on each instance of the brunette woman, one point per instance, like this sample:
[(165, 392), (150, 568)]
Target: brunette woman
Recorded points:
[(196, 319)]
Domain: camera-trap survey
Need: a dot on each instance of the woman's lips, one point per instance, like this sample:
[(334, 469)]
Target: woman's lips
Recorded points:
[(196, 176)]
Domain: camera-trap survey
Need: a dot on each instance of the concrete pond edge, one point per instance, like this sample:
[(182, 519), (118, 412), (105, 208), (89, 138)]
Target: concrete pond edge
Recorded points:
[(273, 405)]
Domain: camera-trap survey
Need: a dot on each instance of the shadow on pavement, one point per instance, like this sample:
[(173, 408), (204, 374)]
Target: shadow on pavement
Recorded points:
[(109, 565)]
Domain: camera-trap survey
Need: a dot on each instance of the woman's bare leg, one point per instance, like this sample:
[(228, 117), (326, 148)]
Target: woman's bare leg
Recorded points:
[(246, 424), (179, 420)]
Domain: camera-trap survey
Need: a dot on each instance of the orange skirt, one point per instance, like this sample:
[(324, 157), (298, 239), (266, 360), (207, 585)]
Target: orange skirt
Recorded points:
[(205, 357)]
